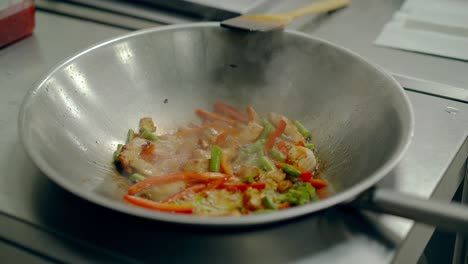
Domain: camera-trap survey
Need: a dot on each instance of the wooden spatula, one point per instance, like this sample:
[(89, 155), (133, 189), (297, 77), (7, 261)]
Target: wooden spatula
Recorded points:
[(269, 22)]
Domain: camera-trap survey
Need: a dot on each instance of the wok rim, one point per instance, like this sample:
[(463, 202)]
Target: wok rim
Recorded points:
[(228, 221)]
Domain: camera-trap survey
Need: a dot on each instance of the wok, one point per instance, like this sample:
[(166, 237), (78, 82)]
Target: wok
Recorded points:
[(72, 120)]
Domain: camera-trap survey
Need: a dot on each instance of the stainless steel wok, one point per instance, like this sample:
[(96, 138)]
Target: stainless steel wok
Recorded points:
[(362, 122)]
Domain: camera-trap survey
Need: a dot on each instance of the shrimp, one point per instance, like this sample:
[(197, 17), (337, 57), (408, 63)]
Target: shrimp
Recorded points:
[(249, 133), (302, 157), (291, 130), (130, 158)]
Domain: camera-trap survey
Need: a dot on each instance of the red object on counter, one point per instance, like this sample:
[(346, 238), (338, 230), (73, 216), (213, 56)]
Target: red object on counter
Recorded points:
[(16, 20)]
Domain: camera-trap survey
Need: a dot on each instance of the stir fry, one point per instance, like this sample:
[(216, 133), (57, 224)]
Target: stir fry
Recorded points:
[(233, 163)]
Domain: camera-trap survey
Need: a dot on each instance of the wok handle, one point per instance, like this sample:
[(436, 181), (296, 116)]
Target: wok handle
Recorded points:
[(448, 216)]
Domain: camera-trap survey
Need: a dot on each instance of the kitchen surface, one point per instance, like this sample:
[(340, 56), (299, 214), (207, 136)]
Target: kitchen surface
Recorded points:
[(43, 223)]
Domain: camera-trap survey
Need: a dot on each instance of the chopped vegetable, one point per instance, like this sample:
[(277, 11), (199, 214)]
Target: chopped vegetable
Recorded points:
[(310, 146), (181, 176), (306, 176), (318, 183), (192, 189), (190, 131), (233, 163), (256, 147), (221, 127), (268, 128), (117, 153), (263, 211), (146, 123), (300, 143), (213, 185), (214, 117), (283, 147), (136, 177), (269, 203), (272, 137), (215, 162), (226, 166), (231, 112), (243, 187), (130, 135), (249, 179), (299, 194), (174, 208), (253, 116), (277, 155), (221, 138), (324, 193), (148, 135), (267, 164), (300, 127), (147, 151), (284, 205), (292, 172)]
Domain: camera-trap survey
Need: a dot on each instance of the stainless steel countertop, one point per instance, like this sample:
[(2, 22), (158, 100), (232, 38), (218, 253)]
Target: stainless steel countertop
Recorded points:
[(433, 167)]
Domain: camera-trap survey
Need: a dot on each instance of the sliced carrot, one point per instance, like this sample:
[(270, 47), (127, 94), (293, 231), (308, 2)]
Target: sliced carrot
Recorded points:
[(253, 116), (148, 150), (318, 183), (185, 192), (147, 153), (213, 116), (283, 147), (272, 137), (174, 208), (231, 111), (226, 166), (300, 143), (323, 193), (283, 205), (212, 186), (221, 138), (168, 178)]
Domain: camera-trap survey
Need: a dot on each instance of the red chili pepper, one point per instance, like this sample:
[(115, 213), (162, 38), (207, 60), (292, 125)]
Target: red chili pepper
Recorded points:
[(318, 183), (231, 111), (300, 143), (243, 187), (175, 208), (306, 176), (272, 137)]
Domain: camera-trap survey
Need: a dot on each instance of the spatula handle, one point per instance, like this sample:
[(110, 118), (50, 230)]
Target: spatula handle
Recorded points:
[(318, 7)]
